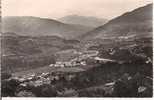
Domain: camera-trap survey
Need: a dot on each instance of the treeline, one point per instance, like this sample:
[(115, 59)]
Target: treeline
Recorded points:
[(18, 63)]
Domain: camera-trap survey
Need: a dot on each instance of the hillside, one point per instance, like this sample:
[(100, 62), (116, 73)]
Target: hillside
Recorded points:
[(34, 26), (131, 24), (125, 38), (83, 20), (16, 48)]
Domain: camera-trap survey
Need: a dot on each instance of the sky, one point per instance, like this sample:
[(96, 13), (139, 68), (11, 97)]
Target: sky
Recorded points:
[(59, 8)]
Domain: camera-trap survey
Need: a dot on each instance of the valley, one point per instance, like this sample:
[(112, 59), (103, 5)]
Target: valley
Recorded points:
[(48, 58)]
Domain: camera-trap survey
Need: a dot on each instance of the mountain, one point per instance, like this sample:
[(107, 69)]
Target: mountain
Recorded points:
[(125, 38), (83, 20), (34, 26), (137, 23)]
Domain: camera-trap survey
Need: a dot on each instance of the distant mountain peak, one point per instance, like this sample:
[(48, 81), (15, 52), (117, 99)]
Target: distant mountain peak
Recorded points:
[(90, 21)]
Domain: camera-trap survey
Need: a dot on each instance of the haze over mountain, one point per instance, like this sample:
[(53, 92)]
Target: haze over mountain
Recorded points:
[(35, 26), (131, 24), (83, 20)]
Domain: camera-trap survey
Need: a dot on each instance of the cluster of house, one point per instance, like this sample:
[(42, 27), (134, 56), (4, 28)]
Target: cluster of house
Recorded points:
[(33, 79), (67, 64), (41, 79), (80, 60)]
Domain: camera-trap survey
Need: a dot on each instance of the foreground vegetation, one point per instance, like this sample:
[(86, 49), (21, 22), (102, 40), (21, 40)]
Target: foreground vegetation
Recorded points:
[(104, 80)]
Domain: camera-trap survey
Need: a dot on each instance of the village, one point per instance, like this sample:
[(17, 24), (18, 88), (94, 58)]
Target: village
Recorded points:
[(67, 73), (38, 79), (81, 59)]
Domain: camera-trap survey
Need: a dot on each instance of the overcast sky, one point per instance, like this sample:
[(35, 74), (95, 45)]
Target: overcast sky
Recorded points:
[(59, 8)]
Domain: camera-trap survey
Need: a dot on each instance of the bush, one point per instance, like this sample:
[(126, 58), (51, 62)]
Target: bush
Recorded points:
[(5, 76), (25, 94), (9, 87), (92, 93)]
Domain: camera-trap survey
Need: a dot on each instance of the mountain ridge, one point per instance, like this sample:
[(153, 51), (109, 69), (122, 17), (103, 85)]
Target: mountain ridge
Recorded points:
[(134, 21), (89, 21), (35, 26)]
